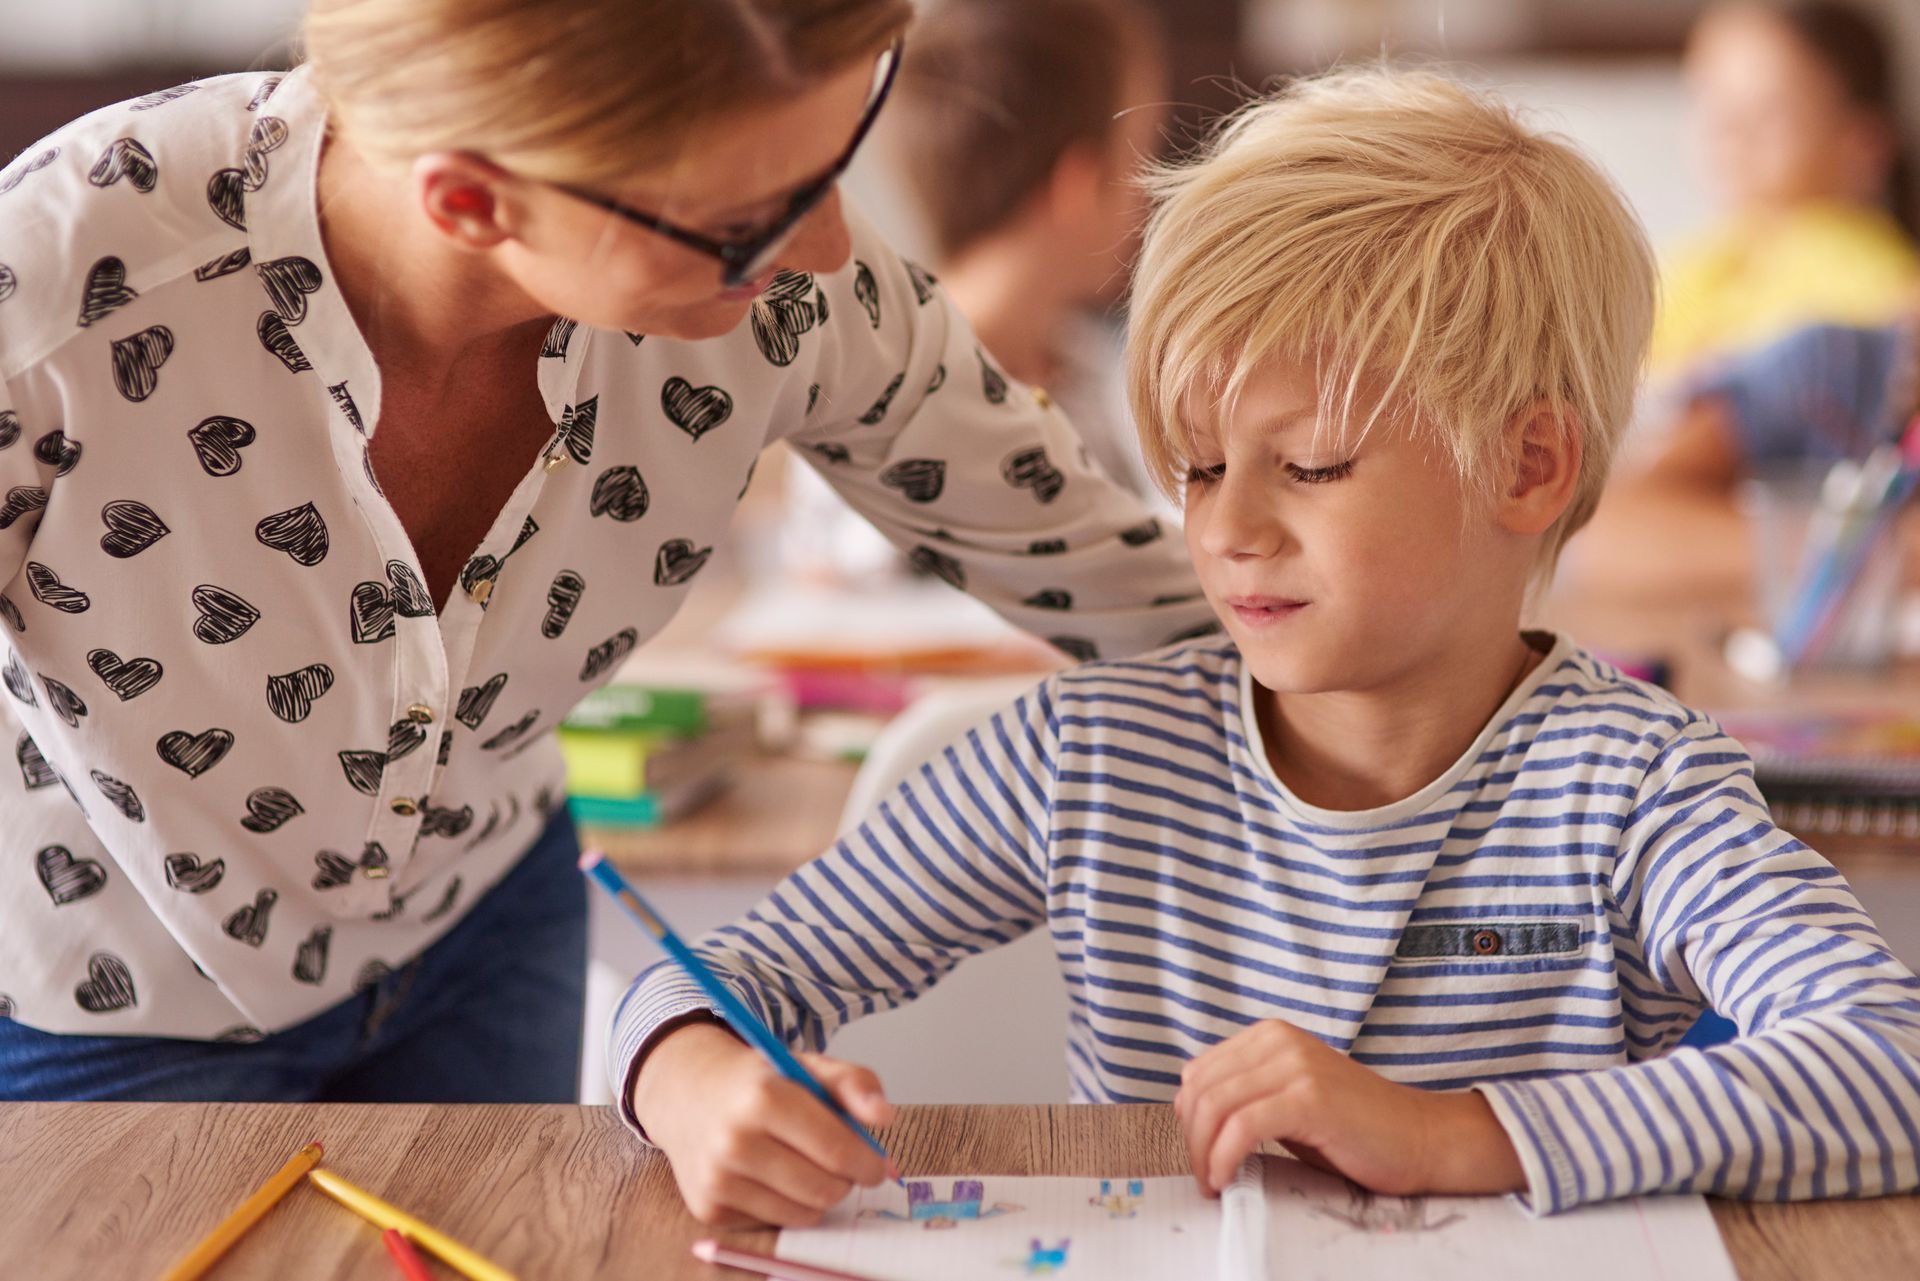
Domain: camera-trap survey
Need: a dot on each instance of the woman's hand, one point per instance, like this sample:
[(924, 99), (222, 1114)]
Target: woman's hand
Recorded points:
[(1274, 1081), (747, 1145)]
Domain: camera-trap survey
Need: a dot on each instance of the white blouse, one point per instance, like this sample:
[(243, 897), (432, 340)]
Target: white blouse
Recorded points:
[(255, 766)]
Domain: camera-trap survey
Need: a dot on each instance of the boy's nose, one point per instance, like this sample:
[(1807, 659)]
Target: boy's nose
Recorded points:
[(1240, 522)]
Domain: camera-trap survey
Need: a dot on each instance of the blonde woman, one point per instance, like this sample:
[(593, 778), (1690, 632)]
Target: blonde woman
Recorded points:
[(353, 424)]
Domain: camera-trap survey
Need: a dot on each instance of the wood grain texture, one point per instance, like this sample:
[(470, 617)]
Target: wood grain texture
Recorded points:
[(778, 812), (98, 1191)]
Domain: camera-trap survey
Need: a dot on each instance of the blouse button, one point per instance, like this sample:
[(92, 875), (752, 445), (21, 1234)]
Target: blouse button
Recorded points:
[(420, 714), (404, 806), (555, 461), (375, 872), (1486, 942), (479, 592), (1041, 398)]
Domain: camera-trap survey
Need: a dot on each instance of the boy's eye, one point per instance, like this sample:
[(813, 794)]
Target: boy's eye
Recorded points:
[(1320, 475), (1206, 475)]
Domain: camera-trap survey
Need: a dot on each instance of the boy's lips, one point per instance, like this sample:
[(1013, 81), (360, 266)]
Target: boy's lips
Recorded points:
[(1260, 611)]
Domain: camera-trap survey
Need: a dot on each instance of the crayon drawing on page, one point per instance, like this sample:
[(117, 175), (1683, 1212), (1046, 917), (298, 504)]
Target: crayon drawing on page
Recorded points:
[(967, 1204)]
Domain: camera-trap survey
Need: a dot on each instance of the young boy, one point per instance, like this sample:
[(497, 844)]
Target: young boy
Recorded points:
[(1425, 897)]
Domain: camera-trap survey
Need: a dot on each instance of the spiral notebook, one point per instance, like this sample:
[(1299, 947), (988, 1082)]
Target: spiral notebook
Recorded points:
[(1853, 773), (1279, 1221)]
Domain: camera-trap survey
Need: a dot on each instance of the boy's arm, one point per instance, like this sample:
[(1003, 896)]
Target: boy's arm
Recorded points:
[(954, 863), (1818, 1096)]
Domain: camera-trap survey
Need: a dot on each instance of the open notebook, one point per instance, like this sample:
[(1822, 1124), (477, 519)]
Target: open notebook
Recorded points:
[(1280, 1221)]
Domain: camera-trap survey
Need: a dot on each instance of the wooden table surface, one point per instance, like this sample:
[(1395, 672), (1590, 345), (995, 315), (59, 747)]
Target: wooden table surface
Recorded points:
[(96, 1191)]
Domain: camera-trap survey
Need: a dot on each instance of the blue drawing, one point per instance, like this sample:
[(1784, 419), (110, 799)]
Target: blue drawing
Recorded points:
[(1119, 1205), (1045, 1260), (966, 1203)]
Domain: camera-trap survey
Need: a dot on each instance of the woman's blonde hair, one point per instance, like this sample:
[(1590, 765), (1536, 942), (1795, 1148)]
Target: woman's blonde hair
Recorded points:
[(1411, 240), (578, 91)]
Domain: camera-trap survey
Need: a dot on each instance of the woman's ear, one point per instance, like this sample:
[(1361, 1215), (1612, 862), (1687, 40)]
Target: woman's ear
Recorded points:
[(1543, 468), (1075, 187), (461, 195)]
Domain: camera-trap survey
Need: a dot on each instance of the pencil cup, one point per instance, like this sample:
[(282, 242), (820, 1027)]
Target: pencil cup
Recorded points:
[(1827, 599)]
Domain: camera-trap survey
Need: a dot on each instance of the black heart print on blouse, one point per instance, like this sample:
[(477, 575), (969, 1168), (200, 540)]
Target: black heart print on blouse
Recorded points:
[(125, 158), (131, 528), (677, 561), (619, 493), (878, 413), (19, 175), (120, 796), (64, 703), (448, 823), (227, 189), (513, 732), (275, 338), (186, 873), (217, 442), (371, 975), (477, 700), (54, 594), (137, 360), (404, 736), (9, 282), (249, 923), (783, 313), (830, 451), (1142, 534), (67, 879), (1078, 648), (1046, 547), (9, 428), (194, 754), (445, 905), (609, 654), (310, 958), (224, 617), (11, 612), (555, 343), (106, 289), (940, 565), (563, 597), (922, 279), (241, 1034), (57, 452), (363, 770), (226, 196), (126, 678), (576, 429), (18, 680), (483, 567), (919, 480), (992, 381), (373, 606), (108, 985), (1051, 598), (939, 379), (1031, 469), (344, 399), (264, 92), (288, 281), (34, 770), (160, 98), (290, 696), (867, 291), (269, 809), (21, 500), (694, 410), (298, 531), (225, 265), (332, 870)]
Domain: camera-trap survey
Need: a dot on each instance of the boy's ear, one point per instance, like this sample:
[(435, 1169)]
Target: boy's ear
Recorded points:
[(465, 197), (1543, 468)]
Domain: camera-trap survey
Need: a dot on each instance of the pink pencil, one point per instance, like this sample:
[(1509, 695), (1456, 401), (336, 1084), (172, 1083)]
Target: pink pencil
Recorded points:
[(711, 1251)]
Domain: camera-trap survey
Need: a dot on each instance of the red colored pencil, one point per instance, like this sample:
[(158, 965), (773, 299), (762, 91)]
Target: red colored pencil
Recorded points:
[(408, 1259), (711, 1251)]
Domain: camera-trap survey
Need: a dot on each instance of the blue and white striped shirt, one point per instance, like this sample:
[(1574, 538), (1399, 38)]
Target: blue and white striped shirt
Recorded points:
[(1543, 922)]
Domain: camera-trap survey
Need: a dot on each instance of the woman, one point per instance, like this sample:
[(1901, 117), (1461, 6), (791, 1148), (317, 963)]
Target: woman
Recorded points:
[(353, 424)]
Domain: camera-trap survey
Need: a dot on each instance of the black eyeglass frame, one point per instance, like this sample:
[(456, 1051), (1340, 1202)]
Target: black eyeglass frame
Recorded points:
[(743, 259)]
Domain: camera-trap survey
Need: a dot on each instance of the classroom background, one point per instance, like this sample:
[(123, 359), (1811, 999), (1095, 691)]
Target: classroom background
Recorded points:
[(1776, 583)]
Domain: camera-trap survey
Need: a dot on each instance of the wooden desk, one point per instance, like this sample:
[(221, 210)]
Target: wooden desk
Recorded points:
[(91, 1191)]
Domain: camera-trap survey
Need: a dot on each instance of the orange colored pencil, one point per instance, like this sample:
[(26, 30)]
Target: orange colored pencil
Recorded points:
[(244, 1216)]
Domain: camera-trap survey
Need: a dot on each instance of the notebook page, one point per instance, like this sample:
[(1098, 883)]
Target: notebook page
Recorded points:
[(1322, 1228), (964, 1228)]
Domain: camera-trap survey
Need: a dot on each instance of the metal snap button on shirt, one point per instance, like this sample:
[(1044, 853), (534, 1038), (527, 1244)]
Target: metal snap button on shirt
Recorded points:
[(420, 714), (555, 461), (1486, 942), (479, 592), (404, 806)]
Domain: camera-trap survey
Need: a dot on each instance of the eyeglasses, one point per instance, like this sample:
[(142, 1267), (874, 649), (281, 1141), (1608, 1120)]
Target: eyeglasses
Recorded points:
[(744, 258)]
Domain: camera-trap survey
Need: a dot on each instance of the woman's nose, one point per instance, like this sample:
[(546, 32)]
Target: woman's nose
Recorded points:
[(820, 243)]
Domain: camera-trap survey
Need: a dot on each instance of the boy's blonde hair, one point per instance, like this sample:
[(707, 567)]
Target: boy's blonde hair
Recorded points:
[(1408, 238), (575, 91)]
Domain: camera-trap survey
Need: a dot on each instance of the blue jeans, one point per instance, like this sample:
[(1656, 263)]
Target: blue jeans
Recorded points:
[(491, 1013)]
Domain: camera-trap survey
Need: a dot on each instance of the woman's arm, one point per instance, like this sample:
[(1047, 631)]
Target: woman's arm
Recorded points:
[(1713, 905)]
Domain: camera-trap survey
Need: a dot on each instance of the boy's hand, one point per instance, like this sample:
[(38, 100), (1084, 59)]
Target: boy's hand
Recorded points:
[(747, 1145), (1274, 1081)]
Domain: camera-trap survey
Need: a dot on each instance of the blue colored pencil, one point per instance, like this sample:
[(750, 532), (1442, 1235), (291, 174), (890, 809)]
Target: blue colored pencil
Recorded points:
[(737, 1015)]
